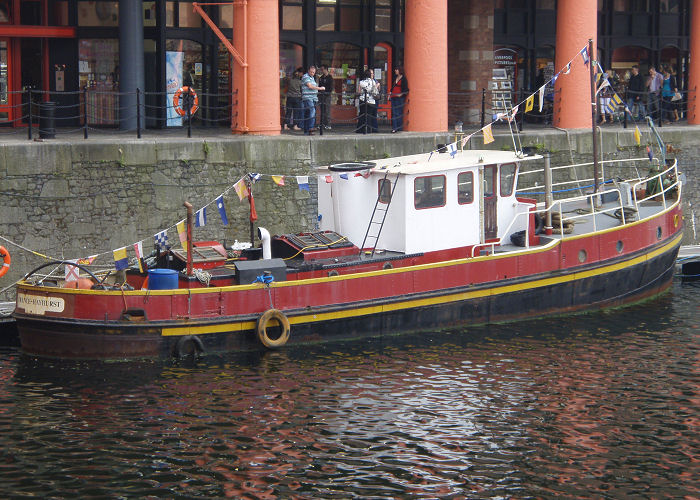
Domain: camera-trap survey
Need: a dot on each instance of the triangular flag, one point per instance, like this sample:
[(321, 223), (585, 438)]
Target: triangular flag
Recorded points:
[(554, 79), (329, 179), (253, 214), (182, 233), (584, 55), (499, 116), (452, 149), (513, 113), (86, 261), (488, 134), (303, 181), (241, 189), (541, 99), (138, 248), (222, 209), (530, 103), (278, 179), (567, 69), (200, 217), (650, 153), (72, 273), (603, 84), (254, 177), (465, 139), (343, 176), (120, 259), (637, 136)]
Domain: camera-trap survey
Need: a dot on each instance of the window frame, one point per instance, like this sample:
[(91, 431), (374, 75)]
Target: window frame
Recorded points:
[(471, 174), (444, 191)]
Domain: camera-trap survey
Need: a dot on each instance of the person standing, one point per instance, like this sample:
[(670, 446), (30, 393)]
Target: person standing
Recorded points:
[(635, 94), (369, 90), (656, 82), (309, 99), (325, 81), (668, 90), (292, 115), (397, 94)]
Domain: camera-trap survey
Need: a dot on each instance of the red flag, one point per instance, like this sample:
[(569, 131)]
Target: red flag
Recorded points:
[(253, 213)]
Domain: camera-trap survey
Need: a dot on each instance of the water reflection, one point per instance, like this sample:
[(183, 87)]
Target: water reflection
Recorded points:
[(595, 405)]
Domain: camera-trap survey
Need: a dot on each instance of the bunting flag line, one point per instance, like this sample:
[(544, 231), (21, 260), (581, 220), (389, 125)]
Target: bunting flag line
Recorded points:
[(222, 209), (72, 273), (365, 173), (530, 103), (637, 136), (254, 177), (200, 217), (120, 259), (329, 179), (541, 97), (499, 116), (465, 139), (303, 181), (650, 153), (161, 239), (182, 233), (278, 179), (554, 79), (138, 248), (488, 134), (343, 176), (584, 55), (567, 69), (241, 189), (452, 149)]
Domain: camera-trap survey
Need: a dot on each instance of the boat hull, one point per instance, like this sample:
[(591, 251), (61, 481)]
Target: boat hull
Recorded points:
[(609, 283)]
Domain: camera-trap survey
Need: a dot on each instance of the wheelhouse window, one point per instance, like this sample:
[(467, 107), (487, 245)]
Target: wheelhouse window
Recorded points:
[(465, 188), (384, 186), (429, 192), (507, 178), (489, 181)]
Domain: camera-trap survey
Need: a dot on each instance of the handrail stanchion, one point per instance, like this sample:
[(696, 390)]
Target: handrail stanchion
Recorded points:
[(138, 113), (85, 112), (624, 113), (320, 125), (29, 128)]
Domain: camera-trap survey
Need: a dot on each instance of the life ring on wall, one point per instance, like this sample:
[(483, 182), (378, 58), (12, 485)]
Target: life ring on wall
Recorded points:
[(6, 259), (268, 318), (178, 95)]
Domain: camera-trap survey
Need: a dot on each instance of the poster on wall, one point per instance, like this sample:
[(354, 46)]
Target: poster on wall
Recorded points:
[(173, 77)]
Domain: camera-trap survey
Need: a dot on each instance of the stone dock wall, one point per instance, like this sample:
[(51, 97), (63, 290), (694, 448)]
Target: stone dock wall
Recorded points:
[(75, 198)]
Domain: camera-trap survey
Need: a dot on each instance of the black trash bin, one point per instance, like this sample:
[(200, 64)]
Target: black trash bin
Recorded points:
[(47, 120)]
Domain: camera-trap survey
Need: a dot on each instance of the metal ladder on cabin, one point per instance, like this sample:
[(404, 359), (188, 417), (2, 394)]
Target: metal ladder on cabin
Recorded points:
[(379, 212)]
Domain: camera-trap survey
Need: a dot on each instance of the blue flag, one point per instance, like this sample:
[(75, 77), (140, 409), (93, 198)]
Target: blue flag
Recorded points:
[(161, 239), (200, 217), (584, 55), (222, 209), (343, 176)]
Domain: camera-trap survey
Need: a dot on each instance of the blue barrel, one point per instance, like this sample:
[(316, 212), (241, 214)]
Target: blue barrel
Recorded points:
[(162, 279)]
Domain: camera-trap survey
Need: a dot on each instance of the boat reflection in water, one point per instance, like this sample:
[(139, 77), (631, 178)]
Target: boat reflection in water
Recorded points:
[(587, 405)]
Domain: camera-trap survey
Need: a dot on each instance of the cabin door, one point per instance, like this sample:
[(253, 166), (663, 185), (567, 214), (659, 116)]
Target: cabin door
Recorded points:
[(490, 203)]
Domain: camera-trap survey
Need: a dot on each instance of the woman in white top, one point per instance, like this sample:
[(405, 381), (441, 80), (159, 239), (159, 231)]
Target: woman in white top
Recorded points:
[(367, 97)]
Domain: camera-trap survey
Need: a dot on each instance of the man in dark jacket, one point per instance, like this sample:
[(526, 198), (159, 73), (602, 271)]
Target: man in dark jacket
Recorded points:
[(324, 96), (636, 94)]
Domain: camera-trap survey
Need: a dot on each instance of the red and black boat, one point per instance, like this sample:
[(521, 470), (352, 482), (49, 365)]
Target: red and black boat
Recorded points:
[(414, 243)]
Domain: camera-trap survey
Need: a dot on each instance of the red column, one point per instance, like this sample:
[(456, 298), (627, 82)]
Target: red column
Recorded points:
[(577, 21), (694, 69), (425, 65), (256, 37)]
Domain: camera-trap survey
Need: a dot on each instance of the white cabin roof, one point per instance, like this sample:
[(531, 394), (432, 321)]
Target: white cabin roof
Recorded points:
[(427, 163)]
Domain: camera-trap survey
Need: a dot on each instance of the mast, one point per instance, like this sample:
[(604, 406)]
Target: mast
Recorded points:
[(594, 114)]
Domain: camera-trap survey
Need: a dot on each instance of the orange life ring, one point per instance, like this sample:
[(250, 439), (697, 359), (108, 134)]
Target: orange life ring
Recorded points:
[(6, 259), (176, 101)]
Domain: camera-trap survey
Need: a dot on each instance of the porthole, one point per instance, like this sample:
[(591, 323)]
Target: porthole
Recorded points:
[(333, 273), (387, 265), (659, 233), (620, 246), (582, 256), (676, 220)]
